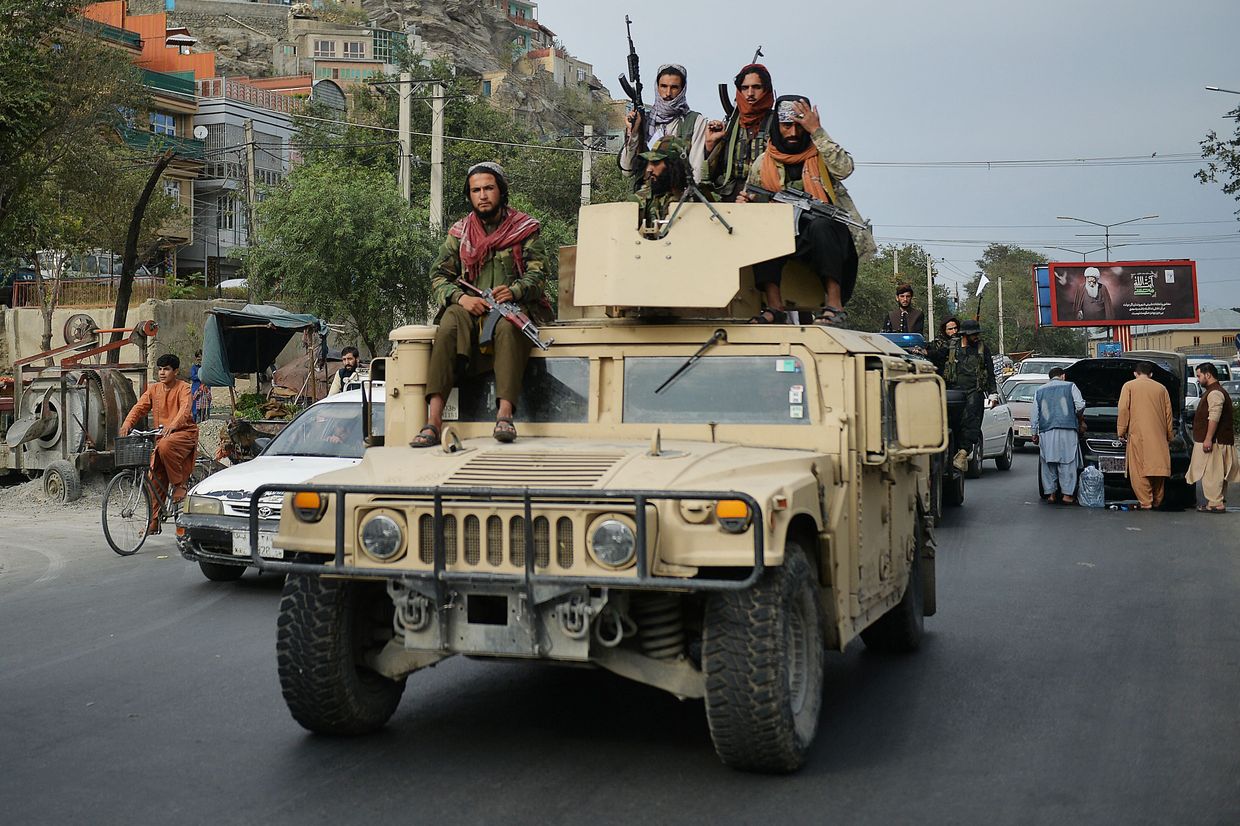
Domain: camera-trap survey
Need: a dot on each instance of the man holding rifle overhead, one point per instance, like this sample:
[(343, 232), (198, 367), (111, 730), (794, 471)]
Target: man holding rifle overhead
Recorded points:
[(494, 248), (800, 156), (670, 116), (732, 148)]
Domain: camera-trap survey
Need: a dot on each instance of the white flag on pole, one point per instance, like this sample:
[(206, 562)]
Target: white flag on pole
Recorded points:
[(981, 285)]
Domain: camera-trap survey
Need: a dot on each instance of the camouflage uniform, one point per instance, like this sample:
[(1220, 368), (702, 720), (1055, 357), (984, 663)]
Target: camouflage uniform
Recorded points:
[(654, 208)]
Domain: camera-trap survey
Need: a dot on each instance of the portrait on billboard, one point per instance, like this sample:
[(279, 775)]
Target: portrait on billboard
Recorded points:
[(1105, 294)]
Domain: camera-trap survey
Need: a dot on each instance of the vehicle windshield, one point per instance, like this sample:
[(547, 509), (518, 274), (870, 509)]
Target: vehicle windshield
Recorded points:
[(555, 390), (333, 430), (720, 389), (1020, 391), (1040, 365), (1191, 390)]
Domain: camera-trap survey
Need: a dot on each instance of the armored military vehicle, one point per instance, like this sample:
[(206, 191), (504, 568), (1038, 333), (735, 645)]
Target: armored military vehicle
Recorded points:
[(694, 503)]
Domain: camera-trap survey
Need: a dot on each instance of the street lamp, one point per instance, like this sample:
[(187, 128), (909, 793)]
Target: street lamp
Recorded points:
[(1217, 89), (1084, 255), (1106, 228)]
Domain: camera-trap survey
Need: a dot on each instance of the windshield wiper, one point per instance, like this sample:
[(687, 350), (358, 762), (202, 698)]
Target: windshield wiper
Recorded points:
[(720, 335)]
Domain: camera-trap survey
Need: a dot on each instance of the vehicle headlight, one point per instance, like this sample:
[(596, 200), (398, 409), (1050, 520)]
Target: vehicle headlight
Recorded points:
[(207, 505), (382, 537), (309, 506), (613, 544)]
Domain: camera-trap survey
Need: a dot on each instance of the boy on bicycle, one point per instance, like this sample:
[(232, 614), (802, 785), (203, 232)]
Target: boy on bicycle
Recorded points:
[(170, 405)]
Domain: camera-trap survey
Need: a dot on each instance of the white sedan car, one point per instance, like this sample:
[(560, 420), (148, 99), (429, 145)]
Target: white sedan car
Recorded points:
[(214, 528)]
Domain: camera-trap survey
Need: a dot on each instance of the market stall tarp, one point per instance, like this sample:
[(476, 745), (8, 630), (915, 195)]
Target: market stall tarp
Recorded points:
[(248, 340)]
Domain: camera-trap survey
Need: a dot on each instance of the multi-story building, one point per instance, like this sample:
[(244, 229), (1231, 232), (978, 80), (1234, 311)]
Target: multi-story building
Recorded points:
[(334, 51), (168, 70), (222, 225)]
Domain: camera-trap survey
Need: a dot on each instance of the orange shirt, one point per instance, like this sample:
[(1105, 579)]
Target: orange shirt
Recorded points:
[(169, 406)]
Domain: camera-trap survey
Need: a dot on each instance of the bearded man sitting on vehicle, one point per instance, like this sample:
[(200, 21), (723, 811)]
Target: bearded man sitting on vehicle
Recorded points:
[(494, 248), (801, 156)]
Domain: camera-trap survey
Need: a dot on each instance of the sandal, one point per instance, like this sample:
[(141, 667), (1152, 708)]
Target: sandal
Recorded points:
[(830, 316), (504, 430), (428, 436), (769, 315), (1208, 509)]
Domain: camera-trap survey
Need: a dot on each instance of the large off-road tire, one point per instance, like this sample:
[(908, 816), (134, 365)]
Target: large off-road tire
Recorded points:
[(325, 628), (901, 628), (219, 572), (953, 486), (61, 482), (762, 651), (1004, 460), (936, 489)]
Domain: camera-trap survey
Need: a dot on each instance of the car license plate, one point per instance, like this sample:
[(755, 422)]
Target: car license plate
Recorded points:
[(1113, 464), (1024, 431), (241, 545)]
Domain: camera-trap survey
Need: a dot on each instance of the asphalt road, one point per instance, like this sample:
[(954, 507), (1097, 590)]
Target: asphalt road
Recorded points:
[(1083, 668)]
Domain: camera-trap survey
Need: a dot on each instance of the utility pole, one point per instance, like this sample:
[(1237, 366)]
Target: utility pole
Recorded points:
[(405, 124), (896, 258), (1002, 349), (587, 161), (929, 299), (436, 198), (251, 196)]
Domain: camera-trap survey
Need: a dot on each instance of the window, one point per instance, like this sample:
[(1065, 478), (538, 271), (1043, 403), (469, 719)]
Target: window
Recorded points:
[(486, 88), (555, 390), (163, 124), (224, 217), (1196, 340), (775, 390), (325, 48), (354, 49), (289, 49), (173, 189), (321, 73), (581, 75)]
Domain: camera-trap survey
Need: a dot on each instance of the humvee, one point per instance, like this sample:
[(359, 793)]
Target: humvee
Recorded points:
[(694, 503)]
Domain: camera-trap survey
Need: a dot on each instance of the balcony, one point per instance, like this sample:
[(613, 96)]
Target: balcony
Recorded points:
[(216, 88), (180, 84), (147, 141)]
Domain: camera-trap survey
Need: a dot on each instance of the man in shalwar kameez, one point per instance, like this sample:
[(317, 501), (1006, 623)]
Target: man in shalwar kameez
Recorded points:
[(1214, 462), (1053, 419), (170, 405), (1145, 421)]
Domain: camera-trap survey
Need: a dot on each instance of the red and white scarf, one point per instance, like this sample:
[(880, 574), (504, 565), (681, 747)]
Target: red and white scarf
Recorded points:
[(477, 245)]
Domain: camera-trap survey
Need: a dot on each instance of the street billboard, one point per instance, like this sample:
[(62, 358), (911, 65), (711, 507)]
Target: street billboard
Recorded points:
[(1103, 294)]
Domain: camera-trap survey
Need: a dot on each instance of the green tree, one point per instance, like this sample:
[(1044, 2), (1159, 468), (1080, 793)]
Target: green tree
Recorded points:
[(875, 294), (1222, 156), (338, 241), (1021, 331), (65, 91)]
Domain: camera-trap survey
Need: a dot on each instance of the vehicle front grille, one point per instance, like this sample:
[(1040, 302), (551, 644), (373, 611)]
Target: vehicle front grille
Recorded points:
[(1105, 445), (469, 546), (508, 468)]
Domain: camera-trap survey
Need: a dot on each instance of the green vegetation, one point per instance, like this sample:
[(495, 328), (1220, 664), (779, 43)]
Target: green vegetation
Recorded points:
[(1222, 156)]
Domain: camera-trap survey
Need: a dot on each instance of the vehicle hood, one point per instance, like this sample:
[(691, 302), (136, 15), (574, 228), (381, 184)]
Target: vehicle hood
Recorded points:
[(239, 481), (1100, 380), (587, 465)]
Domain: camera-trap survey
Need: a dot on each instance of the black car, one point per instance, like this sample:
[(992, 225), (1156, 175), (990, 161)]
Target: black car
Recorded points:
[(1100, 381)]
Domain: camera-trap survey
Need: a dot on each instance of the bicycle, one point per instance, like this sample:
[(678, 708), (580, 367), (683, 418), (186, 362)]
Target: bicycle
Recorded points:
[(127, 499)]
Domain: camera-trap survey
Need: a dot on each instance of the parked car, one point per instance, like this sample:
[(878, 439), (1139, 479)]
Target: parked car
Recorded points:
[(1221, 366), (214, 529), (998, 437), (1100, 381), (1192, 396), (1041, 365), (1019, 391)]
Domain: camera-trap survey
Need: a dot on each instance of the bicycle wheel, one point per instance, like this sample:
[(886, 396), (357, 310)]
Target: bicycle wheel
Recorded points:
[(126, 511)]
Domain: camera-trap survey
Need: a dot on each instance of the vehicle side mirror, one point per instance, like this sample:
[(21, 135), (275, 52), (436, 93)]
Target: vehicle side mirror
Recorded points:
[(920, 413), (260, 444)]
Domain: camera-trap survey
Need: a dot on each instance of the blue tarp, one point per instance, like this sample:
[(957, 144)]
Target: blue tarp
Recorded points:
[(248, 340)]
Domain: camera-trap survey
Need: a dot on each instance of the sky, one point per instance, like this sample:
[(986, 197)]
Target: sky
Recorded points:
[(940, 83)]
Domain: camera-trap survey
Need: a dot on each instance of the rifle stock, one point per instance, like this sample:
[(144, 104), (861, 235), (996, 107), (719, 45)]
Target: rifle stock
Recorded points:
[(507, 310)]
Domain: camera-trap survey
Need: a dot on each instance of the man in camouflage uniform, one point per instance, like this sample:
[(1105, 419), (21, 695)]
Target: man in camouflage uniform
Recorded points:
[(498, 248), (667, 176), (734, 147), (966, 364)]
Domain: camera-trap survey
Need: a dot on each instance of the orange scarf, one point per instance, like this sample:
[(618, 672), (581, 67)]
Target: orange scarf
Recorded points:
[(814, 177)]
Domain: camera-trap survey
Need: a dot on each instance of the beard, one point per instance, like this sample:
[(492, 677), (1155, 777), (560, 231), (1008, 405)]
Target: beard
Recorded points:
[(794, 145), (488, 216), (1093, 291), (661, 184)]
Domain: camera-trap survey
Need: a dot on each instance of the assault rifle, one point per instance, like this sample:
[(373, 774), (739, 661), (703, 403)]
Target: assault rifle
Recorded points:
[(632, 86), (510, 310), (725, 93), (802, 203)]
